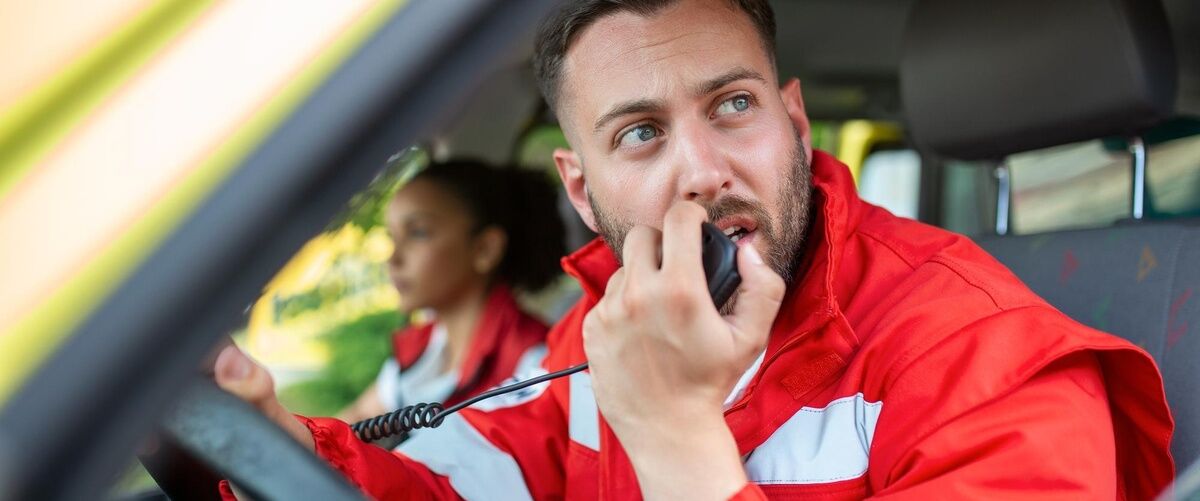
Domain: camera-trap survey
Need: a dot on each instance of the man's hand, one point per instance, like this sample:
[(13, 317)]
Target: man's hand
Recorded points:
[(238, 374), (663, 359)]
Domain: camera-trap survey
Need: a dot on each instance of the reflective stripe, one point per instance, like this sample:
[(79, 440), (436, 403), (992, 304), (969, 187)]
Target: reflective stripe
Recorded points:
[(476, 468), (818, 445), (387, 384), (515, 398), (528, 367), (530, 361), (584, 423)]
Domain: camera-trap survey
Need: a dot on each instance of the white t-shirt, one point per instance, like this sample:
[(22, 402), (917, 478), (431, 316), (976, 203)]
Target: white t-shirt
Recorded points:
[(428, 380)]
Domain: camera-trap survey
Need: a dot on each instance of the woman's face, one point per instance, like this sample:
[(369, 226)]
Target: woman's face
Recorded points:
[(434, 260)]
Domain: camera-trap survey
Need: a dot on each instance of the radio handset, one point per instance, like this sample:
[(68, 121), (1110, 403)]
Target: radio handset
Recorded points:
[(719, 255)]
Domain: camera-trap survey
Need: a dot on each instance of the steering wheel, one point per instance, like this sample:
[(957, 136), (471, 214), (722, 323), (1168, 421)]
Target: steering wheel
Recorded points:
[(239, 444)]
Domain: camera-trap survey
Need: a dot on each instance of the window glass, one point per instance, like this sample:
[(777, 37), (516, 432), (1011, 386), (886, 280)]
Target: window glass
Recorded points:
[(1082, 185), (1090, 184), (1174, 172), (968, 198), (892, 179), (824, 135), (538, 145), (1073, 186), (537, 152), (323, 324)]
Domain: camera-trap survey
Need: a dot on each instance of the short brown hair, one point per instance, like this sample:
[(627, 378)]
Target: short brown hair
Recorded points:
[(557, 32)]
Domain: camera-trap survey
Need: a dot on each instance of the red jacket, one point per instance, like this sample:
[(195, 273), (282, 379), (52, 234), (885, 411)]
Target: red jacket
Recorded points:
[(905, 363), (504, 335)]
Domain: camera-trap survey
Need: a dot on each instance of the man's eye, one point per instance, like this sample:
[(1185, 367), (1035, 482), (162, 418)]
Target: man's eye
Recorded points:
[(639, 135), (736, 104)]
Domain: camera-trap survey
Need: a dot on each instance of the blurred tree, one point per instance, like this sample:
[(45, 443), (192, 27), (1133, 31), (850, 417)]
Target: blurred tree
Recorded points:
[(356, 351)]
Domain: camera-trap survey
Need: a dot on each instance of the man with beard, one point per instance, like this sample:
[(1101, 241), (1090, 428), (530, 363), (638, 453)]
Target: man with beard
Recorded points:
[(864, 354)]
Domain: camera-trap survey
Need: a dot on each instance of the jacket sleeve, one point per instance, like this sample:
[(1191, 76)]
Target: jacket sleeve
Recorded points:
[(514, 443), (1049, 438)]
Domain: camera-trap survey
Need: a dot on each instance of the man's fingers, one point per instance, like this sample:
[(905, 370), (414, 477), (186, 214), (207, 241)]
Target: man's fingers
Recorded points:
[(758, 297), (642, 250), (681, 237)]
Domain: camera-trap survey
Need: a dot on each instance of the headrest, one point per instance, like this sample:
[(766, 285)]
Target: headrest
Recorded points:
[(981, 80)]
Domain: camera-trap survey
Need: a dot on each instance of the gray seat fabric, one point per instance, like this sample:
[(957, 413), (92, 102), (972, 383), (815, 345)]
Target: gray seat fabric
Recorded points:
[(1138, 281)]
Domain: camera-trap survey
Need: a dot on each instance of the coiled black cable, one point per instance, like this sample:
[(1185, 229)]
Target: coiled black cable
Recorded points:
[(412, 417), (399, 421)]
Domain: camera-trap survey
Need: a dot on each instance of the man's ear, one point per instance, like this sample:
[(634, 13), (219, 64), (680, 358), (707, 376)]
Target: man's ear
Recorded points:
[(490, 246), (794, 102), (570, 170)]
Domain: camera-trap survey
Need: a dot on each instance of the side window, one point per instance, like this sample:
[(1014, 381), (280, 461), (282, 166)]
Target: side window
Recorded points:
[(323, 324), (824, 134), (892, 179), (536, 151), (1174, 172), (888, 174), (968, 201), (1072, 186), (1089, 184), (537, 147)]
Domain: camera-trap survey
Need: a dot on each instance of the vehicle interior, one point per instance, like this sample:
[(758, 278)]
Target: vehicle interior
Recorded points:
[(1064, 137)]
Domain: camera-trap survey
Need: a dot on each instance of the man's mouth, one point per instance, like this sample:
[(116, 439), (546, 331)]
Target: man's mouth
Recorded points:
[(739, 229)]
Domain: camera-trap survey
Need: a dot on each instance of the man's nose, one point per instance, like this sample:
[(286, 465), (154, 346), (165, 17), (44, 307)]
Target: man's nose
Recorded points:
[(704, 170)]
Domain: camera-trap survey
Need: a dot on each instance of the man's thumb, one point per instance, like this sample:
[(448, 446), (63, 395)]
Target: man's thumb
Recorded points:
[(758, 297)]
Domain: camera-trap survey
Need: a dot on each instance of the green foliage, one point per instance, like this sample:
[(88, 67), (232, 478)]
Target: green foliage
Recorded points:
[(537, 149), (365, 209), (347, 277), (357, 349), (356, 352)]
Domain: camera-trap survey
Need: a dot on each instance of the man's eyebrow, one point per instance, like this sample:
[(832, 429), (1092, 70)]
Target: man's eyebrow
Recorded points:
[(628, 108), (729, 77)]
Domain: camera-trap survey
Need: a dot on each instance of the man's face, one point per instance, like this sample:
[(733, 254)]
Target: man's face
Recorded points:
[(683, 106)]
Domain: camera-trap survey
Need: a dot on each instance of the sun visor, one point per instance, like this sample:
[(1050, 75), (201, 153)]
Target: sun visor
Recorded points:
[(981, 80)]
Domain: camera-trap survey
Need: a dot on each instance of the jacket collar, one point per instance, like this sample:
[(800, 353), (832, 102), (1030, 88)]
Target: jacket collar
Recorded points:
[(810, 301), (500, 315)]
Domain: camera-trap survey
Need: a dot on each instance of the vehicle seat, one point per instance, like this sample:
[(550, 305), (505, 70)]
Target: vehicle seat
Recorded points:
[(1138, 281), (982, 82)]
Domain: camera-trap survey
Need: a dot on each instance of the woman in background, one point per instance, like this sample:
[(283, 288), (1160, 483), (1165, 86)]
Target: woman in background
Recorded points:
[(466, 236)]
